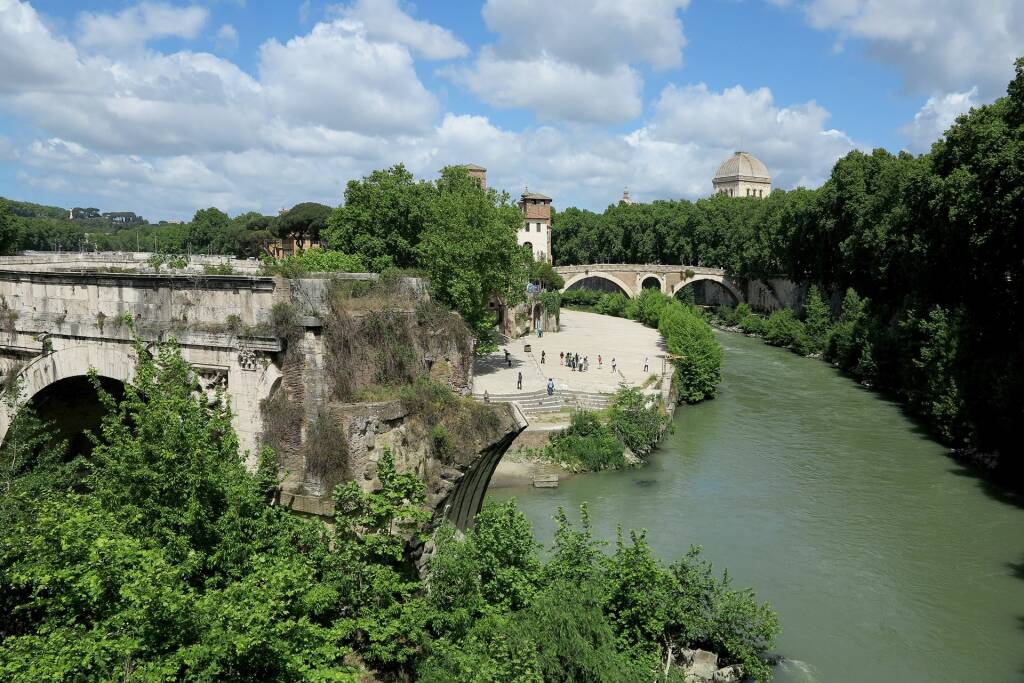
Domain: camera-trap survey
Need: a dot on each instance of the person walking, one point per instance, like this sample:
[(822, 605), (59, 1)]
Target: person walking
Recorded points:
[(646, 365), (487, 397), (598, 361), (542, 357), (519, 382), (613, 364), (551, 386), (561, 357)]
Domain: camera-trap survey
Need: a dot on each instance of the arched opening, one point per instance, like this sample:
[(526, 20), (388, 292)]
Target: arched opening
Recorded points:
[(596, 283), (73, 408), (706, 293), (528, 246), (651, 282)]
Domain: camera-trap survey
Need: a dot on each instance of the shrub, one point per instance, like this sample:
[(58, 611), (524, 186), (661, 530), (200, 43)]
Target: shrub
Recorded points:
[(647, 307), (586, 444), (784, 329), (697, 354), (728, 315), (636, 421), (581, 298), (613, 304), (817, 319)]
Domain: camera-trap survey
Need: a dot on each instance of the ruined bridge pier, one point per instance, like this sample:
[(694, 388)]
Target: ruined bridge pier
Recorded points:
[(61, 318)]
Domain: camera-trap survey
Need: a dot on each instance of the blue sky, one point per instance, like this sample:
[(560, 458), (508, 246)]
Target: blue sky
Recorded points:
[(165, 107)]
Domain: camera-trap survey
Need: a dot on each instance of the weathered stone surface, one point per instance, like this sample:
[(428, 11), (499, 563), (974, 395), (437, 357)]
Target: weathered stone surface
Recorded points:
[(728, 674)]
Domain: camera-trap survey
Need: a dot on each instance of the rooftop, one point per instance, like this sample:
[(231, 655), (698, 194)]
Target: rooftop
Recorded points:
[(743, 165)]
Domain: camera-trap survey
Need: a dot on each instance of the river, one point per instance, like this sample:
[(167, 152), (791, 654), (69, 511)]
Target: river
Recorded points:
[(884, 559)]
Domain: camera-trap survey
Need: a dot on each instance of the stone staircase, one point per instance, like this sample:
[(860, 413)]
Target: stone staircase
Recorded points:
[(534, 403)]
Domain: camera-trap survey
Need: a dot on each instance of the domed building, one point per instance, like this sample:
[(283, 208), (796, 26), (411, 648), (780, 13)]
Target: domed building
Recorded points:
[(743, 175)]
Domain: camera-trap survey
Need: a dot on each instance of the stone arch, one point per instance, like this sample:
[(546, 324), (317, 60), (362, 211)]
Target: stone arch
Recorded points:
[(578, 277), (112, 362), (718, 279), (655, 281)]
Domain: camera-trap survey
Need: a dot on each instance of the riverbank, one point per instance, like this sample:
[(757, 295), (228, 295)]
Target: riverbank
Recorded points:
[(883, 561)]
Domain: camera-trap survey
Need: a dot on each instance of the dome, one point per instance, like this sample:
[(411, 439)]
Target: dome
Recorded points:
[(743, 165)]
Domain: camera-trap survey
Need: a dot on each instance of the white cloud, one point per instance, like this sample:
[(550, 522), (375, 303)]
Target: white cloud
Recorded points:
[(554, 89), (793, 141), (574, 60), (596, 34), (938, 45), (384, 20), (335, 76), (227, 37), (162, 134), (936, 116), (136, 25)]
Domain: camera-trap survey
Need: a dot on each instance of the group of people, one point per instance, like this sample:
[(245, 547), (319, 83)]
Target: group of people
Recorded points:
[(577, 364)]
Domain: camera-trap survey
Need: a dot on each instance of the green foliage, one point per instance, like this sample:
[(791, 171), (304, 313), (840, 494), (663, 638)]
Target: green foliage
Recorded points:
[(586, 444), (646, 307), (785, 329), (637, 422), (313, 260), (696, 353), (613, 304), (817, 319), (551, 301), (582, 298), (543, 273), (582, 616), (10, 229), (907, 233)]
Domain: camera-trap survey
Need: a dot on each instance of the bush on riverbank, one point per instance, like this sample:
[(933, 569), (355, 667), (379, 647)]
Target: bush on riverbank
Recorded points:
[(583, 615), (636, 421), (696, 353), (586, 445)]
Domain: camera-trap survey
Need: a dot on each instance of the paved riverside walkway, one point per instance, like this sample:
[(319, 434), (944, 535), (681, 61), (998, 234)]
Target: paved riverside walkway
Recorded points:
[(587, 334)]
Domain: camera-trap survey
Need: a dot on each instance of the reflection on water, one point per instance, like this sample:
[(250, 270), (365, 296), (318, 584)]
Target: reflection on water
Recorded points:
[(884, 561)]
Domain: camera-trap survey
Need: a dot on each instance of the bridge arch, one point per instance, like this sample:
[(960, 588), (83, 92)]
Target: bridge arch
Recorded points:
[(579, 277), (111, 362), (720, 280), (651, 281)]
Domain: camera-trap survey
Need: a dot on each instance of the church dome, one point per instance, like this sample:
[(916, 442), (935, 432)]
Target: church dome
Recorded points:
[(743, 165)]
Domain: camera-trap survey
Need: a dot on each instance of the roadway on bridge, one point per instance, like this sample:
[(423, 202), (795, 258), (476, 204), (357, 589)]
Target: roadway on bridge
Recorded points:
[(587, 334)]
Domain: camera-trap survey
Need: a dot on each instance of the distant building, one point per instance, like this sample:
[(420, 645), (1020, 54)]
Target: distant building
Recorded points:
[(478, 172), (122, 217), (742, 175), (626, 199), (80, 214), (536, 232)]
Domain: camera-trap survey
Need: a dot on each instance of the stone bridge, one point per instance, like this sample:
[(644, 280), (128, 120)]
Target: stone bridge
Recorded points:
[(64, 316), (713, 285)]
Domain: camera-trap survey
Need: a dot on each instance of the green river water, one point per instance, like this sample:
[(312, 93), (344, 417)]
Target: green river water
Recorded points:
[(885, 560)]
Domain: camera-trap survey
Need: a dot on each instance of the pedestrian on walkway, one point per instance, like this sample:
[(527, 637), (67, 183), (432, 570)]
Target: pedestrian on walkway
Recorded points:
[(598, 361), (613, 364), (551, 386), (487, 397), (519, 382), (645, 364), (508, 358), (542, 358), (561, 357)]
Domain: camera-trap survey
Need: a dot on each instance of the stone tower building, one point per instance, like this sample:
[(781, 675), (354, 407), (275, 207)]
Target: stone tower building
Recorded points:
[(536, 232), (743, 175), (478, 172)]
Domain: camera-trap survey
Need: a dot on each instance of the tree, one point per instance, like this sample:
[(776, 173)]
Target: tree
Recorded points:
[(469, 249), (207, 228), (302, 221), (817, 319), (382, 218), (9, 229), (696, 354), (542, 273)]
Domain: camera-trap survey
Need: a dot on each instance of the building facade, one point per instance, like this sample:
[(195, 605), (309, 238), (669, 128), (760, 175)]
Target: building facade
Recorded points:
[(536, 232), (743, 175)]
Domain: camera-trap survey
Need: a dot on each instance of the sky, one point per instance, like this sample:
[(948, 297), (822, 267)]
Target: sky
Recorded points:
[(165, 107)]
